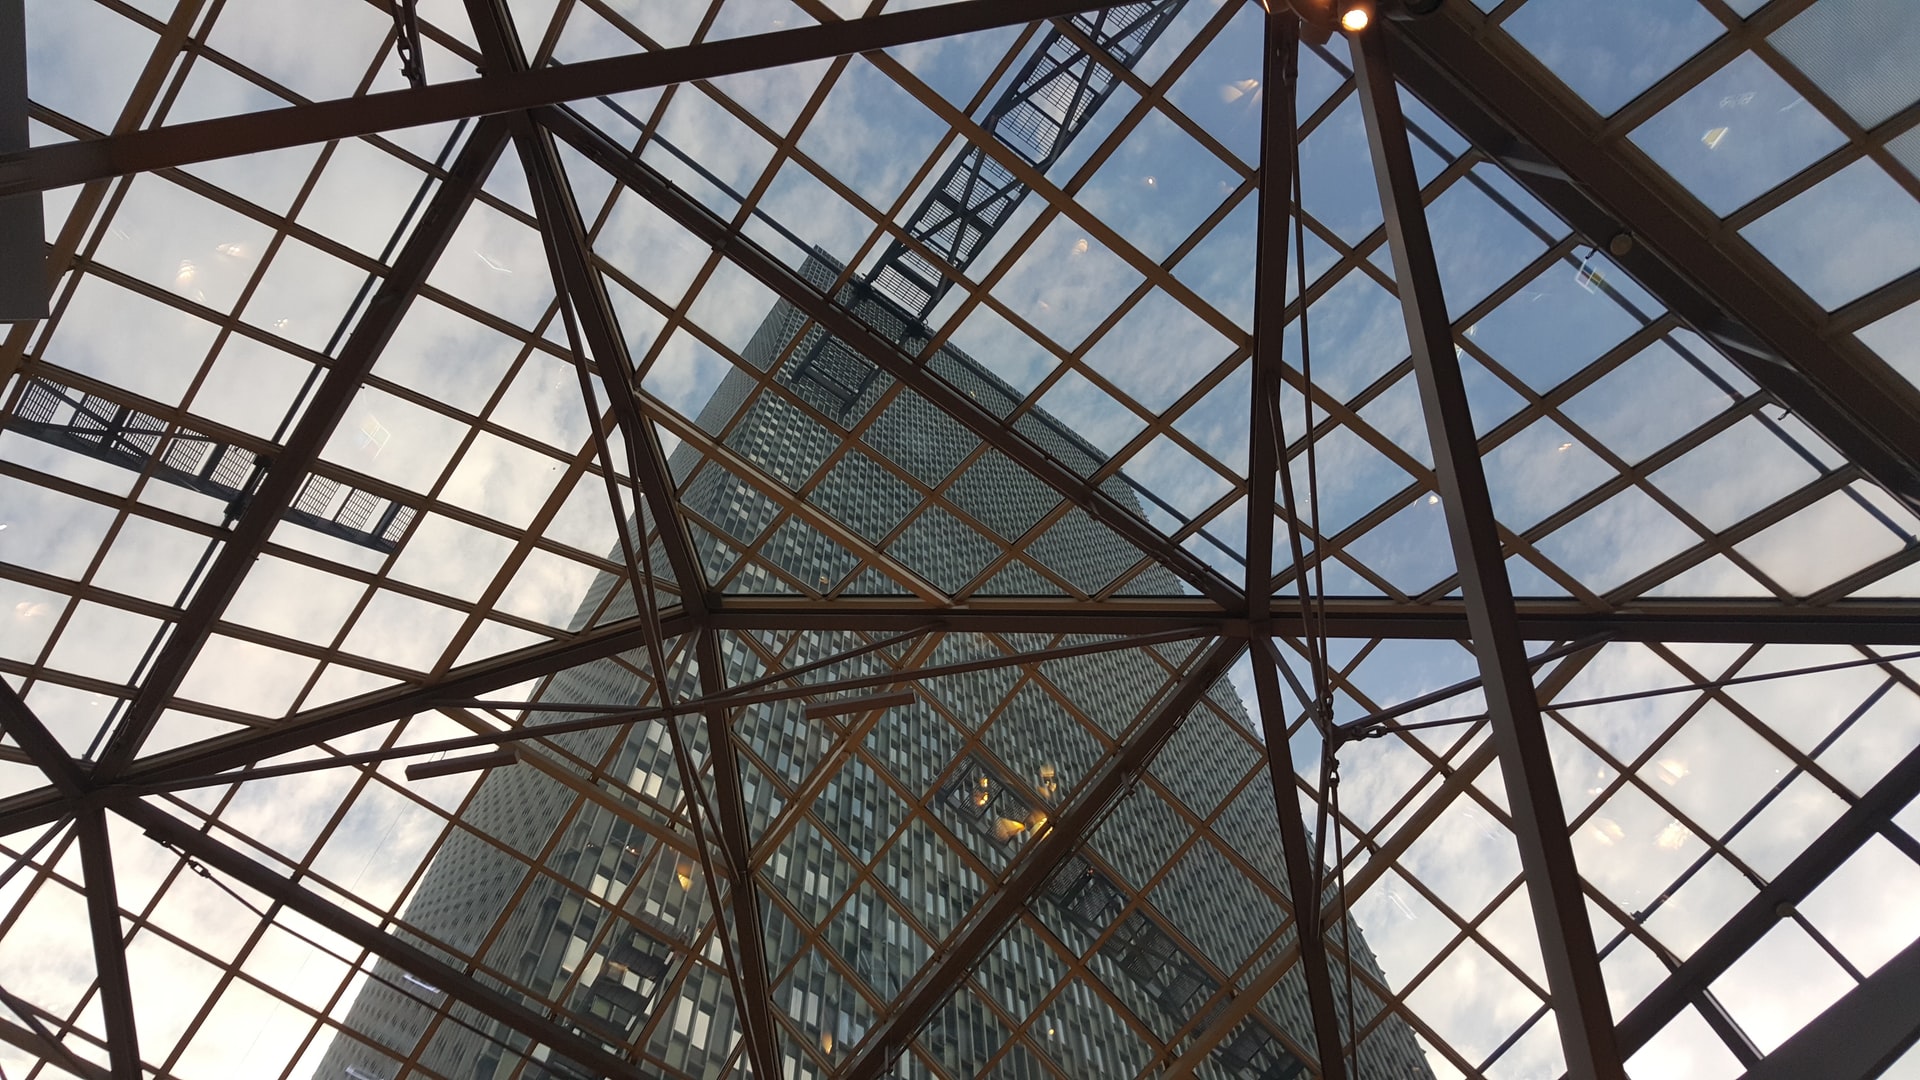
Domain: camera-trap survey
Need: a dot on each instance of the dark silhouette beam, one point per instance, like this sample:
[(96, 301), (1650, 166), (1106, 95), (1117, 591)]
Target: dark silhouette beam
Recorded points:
[(1579, 994)]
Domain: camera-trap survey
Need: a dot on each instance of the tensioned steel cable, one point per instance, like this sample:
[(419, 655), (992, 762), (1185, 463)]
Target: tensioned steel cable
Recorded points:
[(1311, 591), (1653, 692), (1314, 614)]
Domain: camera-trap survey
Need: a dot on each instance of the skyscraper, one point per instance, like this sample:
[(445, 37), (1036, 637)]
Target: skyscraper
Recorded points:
[(895, 848)]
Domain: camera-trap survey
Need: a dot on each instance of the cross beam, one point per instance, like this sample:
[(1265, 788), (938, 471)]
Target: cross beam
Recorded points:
[(1265, 459), (767, 268), (64, 164), (1860, 1035), (1759, 915), (109, 944)]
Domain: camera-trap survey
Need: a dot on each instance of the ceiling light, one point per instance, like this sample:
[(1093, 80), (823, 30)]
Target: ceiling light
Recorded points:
[(1355, 17)]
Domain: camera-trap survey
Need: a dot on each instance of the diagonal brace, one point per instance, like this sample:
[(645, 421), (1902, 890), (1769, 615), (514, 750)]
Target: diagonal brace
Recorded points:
[(790, 286), (1539, 821), (243, 542), (1029, 873), (458, 984)]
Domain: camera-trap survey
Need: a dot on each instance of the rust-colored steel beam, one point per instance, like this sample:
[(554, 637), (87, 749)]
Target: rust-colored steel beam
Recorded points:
[(786, 283), (379, 707), (242, 543), (1859, 1036), (415, 961), (1749, 621), (1740, 621), (736, 697), (582, 294), (1768, 328), (37, 1044), (1539, 821), (1067, 830), (62, 164)]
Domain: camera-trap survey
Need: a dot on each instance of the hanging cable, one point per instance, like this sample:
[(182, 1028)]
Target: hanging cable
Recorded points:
[(1374, 731), (1346, 918), (1314, 614)]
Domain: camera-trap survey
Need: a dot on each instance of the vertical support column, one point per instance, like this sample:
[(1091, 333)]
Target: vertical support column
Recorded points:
[(23, 260), (1265, 457), (1539, 821)]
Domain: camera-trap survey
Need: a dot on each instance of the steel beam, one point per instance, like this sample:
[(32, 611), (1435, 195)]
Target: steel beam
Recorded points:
[(457, 983), (242, 543), (749, 952), (1303, 876), (1280, 59), (1738, 621), (1030, 871), (1768, 328), (600, 716), (585, 292), (787, 283), (1539, 822), (62, 164), (109, 944), (1773, 902), (1860, 1035)]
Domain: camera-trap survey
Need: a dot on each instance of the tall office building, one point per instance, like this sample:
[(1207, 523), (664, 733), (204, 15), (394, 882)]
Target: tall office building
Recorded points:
[(974, 761)]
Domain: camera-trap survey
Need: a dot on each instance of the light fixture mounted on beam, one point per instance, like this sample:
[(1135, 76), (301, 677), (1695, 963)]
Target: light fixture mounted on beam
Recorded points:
[(1320, 18), (424, 770), (870, 703)]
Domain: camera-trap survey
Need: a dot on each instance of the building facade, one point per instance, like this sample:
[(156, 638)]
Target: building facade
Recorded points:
[(888, 858)]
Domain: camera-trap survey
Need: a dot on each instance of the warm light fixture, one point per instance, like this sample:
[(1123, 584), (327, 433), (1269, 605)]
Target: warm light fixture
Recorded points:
[(1355, 17)]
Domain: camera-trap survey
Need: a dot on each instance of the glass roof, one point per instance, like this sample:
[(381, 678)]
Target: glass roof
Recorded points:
[(831, 480)]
